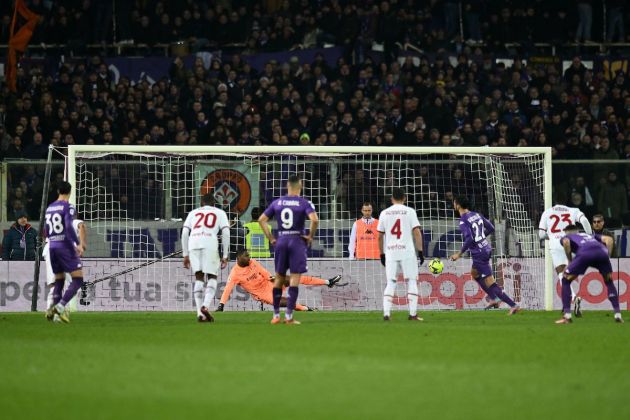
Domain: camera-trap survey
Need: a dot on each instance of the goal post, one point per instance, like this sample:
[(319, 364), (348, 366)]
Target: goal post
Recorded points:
[(133, 199)]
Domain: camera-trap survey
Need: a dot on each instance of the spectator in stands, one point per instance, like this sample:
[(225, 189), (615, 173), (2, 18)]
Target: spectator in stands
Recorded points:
[(20, 241), (613, 198)]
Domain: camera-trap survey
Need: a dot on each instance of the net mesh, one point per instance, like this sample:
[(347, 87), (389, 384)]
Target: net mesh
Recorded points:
[(134, 203)]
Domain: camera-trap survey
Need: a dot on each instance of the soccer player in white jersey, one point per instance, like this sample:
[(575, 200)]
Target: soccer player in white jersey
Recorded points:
[(80, 230), (552, 224), (200, 247), (398, 229)]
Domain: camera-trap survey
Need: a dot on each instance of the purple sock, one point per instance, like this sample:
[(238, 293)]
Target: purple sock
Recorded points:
[(292, 300), (74, 287), (501, 295), (490, 293), (613, 296), (566, 296), (57, 289), (277, 296)]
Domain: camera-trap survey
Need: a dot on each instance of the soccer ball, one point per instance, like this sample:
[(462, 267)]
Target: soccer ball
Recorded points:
[(436, 266)]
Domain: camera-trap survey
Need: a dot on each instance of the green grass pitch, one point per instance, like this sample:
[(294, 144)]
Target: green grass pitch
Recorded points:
[(459, 365)]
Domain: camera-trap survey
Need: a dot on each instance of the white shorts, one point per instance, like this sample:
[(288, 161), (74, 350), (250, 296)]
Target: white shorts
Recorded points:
[(559, 257), (204, 260), (408, 267)]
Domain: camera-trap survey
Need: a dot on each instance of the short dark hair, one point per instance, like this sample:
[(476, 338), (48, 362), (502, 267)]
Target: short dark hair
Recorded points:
[(398, 194), (598, 216), (366, 203), (571, 227), (240, 252), (256, 213), (64, 187), (207, 199), (463, 202), (294, 180)]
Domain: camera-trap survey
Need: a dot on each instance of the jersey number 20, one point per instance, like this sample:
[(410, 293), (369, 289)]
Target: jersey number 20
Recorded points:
[(209, 220)]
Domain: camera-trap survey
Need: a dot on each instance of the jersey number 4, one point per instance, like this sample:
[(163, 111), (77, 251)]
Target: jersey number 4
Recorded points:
[(208, 219), (565, 217), (396, 229)]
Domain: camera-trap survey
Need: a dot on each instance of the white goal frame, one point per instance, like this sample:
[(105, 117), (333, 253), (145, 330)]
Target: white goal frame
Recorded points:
[(326, 150)]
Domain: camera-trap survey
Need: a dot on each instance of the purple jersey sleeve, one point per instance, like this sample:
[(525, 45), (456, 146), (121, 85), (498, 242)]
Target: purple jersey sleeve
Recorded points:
[(271, 210), (68, 219), (488, 226), (464, 228)]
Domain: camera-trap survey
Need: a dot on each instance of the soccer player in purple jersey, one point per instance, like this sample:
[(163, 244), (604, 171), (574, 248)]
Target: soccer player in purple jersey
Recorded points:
[(590, 251), (474, 227), (291, 212), (65, 250)]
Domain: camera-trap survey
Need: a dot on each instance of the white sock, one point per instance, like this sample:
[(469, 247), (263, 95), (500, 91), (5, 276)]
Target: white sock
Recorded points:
[(412, 297), (198, 294), (211, 288), (573, 294), (388, 297), (49, 295)]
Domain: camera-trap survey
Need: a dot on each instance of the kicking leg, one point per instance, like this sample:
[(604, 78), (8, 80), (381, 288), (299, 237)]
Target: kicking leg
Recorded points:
[(494, 288), (494, 301)]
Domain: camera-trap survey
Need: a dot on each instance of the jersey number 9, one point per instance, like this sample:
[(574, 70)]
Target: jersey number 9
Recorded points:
[(286, 217)]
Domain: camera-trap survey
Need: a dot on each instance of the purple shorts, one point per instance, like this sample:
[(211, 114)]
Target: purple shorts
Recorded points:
[(598, 260), (481, 262), (64, 260), (290, 254)]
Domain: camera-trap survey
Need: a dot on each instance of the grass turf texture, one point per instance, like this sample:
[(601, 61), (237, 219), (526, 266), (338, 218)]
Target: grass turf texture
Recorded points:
[(334, 365)]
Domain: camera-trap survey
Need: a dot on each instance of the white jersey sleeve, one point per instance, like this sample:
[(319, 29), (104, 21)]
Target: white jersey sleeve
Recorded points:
[(397, 223)]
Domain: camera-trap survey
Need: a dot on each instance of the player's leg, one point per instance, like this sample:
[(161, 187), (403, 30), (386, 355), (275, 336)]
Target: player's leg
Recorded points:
[(198, 287), (313, 281), (391, 270), (494, 300), (410, 273), (69, 262), (210, 266), (481, 263), (297, 265), (560, 261), (605, 268), (281, 262), (576, 268)]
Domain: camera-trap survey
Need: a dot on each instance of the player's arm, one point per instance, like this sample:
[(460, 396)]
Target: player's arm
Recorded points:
[(542, 227), (416, 231), (83, 235), (69, 229), (225, 296), (185, 237), (586, 224), (312, 216), (225, 240), (353, 238), (381, 240), (468, 241), (264, 225), (488, 226), (566, 244), (606, 240)]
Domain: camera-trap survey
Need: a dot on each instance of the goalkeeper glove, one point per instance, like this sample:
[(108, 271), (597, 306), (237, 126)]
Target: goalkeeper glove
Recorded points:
[(220, 307), (421, 257), (383, 259)]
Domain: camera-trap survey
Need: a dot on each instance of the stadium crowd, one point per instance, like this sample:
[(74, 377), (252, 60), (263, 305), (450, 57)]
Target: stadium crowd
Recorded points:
[(362, 99)]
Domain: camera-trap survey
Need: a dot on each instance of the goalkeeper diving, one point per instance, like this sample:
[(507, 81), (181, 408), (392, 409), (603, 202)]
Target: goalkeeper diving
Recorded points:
[(258, 282)]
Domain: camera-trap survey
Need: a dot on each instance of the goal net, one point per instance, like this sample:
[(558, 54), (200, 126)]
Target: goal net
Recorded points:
[(134, 201)]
